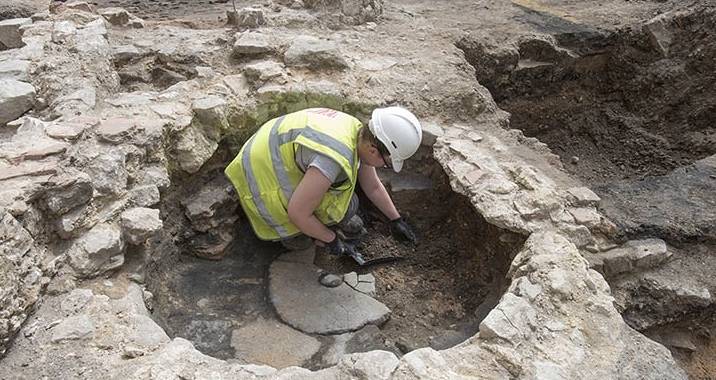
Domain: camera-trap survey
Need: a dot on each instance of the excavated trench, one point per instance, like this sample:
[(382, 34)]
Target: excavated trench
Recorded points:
[(630, 113), (437, 296)]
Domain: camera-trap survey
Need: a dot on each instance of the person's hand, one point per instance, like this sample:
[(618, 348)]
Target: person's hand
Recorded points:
[(339, 247), (402, 231)]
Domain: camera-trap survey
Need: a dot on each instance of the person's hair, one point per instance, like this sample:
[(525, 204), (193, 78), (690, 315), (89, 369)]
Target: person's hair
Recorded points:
[(365, 135)]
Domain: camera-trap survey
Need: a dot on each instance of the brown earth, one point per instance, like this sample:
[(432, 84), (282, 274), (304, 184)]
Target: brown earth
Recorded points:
[(435, 291)]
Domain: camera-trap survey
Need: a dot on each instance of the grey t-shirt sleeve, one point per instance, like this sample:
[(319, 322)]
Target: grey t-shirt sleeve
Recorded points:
[(306, 158)]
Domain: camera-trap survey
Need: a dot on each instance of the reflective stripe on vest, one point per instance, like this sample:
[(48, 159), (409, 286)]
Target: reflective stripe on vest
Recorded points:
[(265, 173)]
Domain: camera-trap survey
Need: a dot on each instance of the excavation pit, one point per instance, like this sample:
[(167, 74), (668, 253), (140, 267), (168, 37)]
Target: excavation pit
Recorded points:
[(231, 309)]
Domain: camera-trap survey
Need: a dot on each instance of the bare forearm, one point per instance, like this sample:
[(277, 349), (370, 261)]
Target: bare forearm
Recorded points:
[(311, 226), (381, 199)]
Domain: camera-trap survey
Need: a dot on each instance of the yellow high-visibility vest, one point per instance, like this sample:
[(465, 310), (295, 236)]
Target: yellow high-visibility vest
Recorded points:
[(265, 172)]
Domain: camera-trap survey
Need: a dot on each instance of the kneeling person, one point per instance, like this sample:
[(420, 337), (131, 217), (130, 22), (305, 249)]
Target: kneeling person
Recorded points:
[(298, 173)]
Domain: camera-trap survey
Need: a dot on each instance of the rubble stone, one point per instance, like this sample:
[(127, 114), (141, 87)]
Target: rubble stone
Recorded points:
[(125, 53), (154, 175), (269, 342), (68, 192), (115, 16), (657, 29), (315, 53), (193, 149), (108, 172), (583, 196), (634, 254), (252, 43), (264, 71), (247, 17), (16, 98), (139, 224), (431, 133), (80, 6), (14, 69), (11, 32), (117, 130), (145, 196), (73, 328), (211, 206), (210, 112), (99, 250)]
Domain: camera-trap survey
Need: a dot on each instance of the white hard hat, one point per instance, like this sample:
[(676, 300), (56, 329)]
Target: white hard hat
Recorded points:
[(399, 130)]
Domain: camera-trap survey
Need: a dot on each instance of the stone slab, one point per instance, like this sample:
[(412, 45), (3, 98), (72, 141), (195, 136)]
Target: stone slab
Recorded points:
[(14, 69), (273, 343), (11, 33), (16, 98), (303, 303)]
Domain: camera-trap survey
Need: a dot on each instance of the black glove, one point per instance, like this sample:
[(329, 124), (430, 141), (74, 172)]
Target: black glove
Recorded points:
[(402, 231), (339, 247)]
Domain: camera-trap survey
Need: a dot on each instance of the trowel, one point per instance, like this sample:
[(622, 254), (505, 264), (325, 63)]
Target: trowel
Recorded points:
[(358, 258)]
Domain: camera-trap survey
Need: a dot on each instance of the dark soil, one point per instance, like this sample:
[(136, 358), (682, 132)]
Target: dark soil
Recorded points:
[(435, 291), (697, 360), (619, 107)]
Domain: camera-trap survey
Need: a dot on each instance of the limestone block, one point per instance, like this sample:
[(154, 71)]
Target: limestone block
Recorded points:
[(144, 196), (62, 31), (315, 53), (40, 16), (80, 6), (582, 196), (67, 224), (145, 333), (579, 235), (73, 328), (68, 191), (273, 343), (14, 69), (247, 17), (211, 206), (16, 98), (527, 289), (154, 175), (586, 216), (65, 131), (260, 72), (210, 112), (99, 250), (512, 320), (647, 253), (117, 130), (657, 29), (253, 43), (424, 363), (193, 149), (139, 224), (11, 32), (125, 53), (75, 102), (115, 16), (369, 365), (431, 133), (108, 172)]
